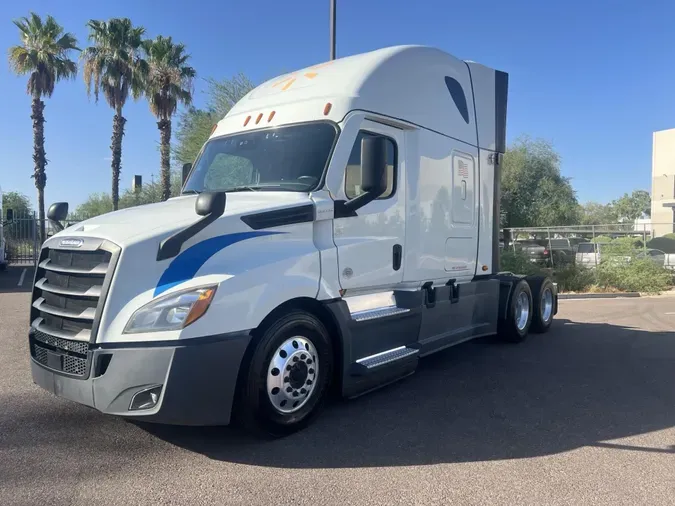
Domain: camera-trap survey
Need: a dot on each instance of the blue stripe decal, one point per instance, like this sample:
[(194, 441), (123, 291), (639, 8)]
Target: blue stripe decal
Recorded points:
[(187, 263)]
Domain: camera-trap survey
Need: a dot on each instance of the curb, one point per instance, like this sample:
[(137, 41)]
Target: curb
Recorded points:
[(572, 296)]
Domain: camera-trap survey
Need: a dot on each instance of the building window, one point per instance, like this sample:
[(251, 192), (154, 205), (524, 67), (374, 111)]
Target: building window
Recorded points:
[(353, 172)]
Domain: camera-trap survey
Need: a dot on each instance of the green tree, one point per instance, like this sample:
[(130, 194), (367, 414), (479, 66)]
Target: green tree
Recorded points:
[(534, 193), (101, 203), (113, 65), (43, 55), (195, 125), (593, 213), (169, 84), (633, 206), (17, 202)]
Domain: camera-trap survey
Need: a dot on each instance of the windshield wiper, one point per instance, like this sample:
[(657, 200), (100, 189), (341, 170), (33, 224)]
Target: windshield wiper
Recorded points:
[(243, 188)]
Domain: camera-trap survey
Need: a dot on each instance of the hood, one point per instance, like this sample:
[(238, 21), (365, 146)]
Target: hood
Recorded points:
[(143, 222)]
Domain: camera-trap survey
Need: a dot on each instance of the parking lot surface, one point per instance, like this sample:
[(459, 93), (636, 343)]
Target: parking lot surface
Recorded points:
[(582, 415)]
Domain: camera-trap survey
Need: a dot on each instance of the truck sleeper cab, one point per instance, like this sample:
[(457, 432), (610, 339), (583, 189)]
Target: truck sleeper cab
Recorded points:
[(340, 223)]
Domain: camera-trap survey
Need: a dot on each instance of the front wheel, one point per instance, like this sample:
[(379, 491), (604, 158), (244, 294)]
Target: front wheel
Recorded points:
[(287, 377)]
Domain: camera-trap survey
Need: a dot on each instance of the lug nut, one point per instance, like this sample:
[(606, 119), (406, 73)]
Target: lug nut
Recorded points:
[(289, 390), (286, 379), (311, 371), (295, 394), (303, 391), (309, 382), (309, 361), (295, 359)]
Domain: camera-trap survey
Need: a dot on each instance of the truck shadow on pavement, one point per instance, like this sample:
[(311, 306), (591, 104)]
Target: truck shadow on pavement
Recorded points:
[(579, 385)]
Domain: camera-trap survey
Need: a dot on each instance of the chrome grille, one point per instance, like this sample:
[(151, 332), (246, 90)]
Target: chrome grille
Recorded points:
[(68, 298), (80, 347), (68, 364)]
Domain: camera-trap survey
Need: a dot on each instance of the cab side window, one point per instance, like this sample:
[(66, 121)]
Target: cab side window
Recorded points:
[(353, 172)]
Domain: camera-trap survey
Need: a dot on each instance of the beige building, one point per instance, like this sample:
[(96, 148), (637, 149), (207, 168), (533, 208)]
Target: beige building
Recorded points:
[(663, 182)]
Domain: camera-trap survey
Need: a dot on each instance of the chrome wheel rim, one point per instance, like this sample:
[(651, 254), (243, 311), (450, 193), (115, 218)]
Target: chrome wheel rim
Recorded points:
[(292, 373), (522, 311), (546, 305)]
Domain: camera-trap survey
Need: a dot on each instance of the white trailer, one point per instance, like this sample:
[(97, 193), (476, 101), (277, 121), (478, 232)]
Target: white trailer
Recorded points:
[(340, 223)]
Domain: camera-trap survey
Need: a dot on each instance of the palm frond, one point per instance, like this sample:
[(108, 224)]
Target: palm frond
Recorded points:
[(116, 66), (170, 79), (44, 54)]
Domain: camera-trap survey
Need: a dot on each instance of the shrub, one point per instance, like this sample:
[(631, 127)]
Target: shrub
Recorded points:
[(664, 244), (602, 239), (518, 263), (637, 275), (574, 279), (670, 236)]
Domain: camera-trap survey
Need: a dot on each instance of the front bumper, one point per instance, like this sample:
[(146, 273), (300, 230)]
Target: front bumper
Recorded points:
[(198, 379)]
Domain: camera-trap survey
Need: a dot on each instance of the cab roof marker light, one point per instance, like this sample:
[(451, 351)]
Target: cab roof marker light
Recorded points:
[(248, 118), (257, 120), (271, 116), (214, 128), (327, 108)]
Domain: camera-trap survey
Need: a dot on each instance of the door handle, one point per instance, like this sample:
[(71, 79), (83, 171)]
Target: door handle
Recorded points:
[(397, 256)]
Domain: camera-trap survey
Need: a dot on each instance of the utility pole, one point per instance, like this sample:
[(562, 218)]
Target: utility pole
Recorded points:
[(332, 29)]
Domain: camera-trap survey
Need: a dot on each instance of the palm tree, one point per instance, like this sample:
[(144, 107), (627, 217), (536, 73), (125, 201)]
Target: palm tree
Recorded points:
[(169, 83), (44, 54), (113, 65)]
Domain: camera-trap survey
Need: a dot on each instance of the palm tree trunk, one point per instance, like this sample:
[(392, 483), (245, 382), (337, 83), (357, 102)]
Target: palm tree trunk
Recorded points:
[(40, 160), (164, 126), (116, 148)]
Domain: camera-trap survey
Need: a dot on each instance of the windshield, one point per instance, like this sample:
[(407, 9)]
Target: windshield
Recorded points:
[(290, 158)]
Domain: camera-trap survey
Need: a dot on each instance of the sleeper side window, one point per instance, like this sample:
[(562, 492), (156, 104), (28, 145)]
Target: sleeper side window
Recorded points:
[(353, 171)]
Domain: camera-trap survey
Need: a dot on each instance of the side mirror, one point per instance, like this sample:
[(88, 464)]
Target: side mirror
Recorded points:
[(58, 211), (210, 203), (187, 167), (374, 165), (10, 215), (373, 176)]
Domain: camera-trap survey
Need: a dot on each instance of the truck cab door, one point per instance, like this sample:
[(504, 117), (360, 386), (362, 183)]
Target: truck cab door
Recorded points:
[(369, 244)]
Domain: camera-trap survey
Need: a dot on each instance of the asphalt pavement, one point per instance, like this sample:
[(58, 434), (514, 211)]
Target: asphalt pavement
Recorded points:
[(582, 415)]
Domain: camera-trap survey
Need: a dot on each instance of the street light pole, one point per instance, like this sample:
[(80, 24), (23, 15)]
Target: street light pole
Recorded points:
[(332, 29)]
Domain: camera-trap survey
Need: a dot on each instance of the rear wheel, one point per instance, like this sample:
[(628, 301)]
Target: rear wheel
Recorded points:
[(543, 304), (287, 377), (515, 326)]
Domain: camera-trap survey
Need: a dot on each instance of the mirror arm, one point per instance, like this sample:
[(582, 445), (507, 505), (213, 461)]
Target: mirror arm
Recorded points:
[(57, 225), (345, 209), (170, 247)]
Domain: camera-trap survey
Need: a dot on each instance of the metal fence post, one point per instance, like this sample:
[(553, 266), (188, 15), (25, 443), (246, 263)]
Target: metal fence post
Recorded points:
[(35, 228), (550, 248)]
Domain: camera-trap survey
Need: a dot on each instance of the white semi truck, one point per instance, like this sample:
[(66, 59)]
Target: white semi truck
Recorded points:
[(340, 223)]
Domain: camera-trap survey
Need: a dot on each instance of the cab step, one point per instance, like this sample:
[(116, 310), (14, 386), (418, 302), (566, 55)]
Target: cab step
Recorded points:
[(386, 357)]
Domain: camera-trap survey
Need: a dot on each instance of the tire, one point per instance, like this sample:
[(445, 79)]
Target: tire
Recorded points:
[(543, 303), (515, 326), (263, 405)]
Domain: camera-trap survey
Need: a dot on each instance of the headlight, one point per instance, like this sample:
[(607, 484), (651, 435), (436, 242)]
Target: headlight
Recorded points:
[(172, 312)]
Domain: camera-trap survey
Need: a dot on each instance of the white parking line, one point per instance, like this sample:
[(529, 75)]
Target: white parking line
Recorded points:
[(23, 275)]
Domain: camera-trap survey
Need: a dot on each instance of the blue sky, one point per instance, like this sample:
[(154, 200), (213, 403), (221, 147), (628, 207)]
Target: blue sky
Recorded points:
[(596, 81)]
